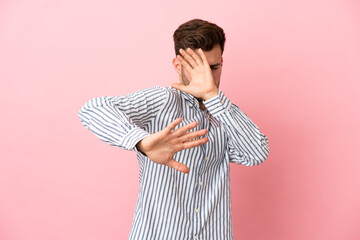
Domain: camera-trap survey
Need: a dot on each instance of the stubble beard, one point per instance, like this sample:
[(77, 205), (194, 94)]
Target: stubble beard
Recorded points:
[(184, 80)]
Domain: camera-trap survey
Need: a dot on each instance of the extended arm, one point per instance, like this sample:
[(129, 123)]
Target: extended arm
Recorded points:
[(123, 120)]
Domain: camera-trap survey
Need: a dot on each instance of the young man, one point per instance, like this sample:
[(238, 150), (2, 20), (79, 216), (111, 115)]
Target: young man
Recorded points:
[(184, 137)]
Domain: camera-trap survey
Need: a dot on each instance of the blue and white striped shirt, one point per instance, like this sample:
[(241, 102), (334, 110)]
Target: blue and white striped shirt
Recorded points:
[(171, 204)]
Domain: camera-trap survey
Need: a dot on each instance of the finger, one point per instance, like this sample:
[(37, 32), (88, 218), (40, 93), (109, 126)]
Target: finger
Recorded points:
[(188, 57), (184, 63), (203, 57), (195, 143), (195, 56), (178, 166), (181, 131), (172, 125), (193, 135)]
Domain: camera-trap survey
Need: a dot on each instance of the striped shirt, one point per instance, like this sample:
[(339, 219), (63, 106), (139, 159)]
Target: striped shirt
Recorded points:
[(172, 204)]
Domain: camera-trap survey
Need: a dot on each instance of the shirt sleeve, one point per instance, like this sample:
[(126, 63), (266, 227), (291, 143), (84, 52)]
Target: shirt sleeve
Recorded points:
[(246, 144), (124, 120)]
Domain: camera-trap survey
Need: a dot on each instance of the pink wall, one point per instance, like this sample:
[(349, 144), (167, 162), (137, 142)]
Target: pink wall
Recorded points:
[(292, 66)]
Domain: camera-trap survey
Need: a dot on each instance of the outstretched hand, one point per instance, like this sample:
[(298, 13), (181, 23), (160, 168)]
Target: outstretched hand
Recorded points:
[(161, 146), (202, 83)]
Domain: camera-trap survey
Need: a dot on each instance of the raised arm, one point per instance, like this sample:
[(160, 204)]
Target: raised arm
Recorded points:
[(246, 144)]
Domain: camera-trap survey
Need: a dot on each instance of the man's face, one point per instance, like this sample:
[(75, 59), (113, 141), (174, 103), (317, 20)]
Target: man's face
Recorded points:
[(214, 59)]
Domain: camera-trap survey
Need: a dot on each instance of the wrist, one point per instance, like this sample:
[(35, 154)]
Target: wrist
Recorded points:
[(140, 147), (211, 94)]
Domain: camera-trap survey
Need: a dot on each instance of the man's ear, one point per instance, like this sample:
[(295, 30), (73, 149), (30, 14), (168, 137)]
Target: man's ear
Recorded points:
[(177, 66)]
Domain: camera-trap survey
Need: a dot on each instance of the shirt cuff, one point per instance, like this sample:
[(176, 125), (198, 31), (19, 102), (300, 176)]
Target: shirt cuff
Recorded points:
[(218, 104), (133, 137)]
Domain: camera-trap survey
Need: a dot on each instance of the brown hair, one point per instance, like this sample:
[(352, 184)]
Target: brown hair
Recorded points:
[(198, 33)]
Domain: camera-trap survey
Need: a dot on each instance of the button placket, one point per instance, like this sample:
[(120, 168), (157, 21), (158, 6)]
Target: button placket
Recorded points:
[(196, 212), (197, 216)]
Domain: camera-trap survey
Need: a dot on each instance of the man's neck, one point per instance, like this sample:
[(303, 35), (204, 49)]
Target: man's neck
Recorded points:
[(201, 104)]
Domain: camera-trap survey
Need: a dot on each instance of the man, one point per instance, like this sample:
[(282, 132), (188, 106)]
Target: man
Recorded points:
[(184, 137)]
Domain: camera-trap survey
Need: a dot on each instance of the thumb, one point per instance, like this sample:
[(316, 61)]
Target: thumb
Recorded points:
[(179, 86), (178, 166)]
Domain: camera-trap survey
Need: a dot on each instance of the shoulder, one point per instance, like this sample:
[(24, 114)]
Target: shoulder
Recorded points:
[(155, 90), (155, 93), (167, 93)]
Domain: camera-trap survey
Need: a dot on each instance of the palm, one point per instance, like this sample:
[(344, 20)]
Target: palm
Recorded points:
[(202, 83), (161, 146)]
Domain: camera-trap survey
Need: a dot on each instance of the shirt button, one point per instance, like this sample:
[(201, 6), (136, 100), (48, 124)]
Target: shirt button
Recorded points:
[(200, 183), (197, 210), (189, 105), (195, 237), (218, 105), (206, 158)]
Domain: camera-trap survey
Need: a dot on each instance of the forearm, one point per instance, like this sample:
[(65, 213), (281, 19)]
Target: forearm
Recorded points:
[(246, 141), (110, 125), (122, 120)]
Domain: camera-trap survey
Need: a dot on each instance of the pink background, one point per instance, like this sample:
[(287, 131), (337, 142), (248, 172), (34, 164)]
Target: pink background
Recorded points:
[(292, 66)]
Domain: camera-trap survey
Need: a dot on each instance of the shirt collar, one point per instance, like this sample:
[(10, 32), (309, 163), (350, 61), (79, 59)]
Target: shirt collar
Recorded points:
[(188, 97)]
